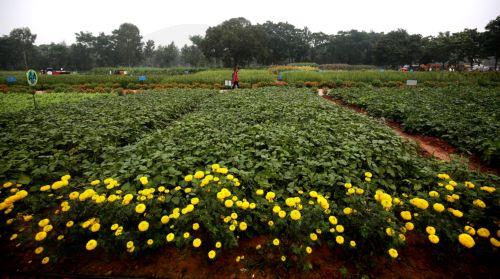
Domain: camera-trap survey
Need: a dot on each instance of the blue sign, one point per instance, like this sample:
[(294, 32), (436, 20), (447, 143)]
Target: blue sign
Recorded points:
[(142, 78), (280, 77), (11, 79)]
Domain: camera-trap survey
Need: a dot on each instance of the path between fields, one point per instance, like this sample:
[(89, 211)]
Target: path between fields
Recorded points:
[(432, 146)]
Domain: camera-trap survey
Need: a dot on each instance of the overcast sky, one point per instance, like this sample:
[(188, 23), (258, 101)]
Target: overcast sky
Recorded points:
[(58, 20)]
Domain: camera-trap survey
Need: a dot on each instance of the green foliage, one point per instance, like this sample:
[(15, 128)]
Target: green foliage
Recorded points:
[(68, 137), (466, 117)]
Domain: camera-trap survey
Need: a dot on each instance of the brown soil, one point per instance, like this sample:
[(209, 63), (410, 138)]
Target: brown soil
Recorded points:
[(418, 260), (430, 146)]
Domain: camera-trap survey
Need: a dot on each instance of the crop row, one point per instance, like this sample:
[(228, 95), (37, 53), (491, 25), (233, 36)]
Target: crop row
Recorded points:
[(466, 117), (39, 144)]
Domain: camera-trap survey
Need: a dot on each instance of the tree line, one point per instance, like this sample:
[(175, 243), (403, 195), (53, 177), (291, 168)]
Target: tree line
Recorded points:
[(239, 42)]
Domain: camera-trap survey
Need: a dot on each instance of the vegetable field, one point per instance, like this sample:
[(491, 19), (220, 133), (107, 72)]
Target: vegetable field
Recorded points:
[(467, 117), (207, 172)]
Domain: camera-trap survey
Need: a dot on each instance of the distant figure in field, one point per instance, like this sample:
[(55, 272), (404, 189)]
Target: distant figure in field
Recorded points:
[(235, 78)]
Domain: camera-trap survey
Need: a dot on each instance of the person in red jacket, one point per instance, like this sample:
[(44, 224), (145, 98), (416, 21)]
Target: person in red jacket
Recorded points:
[(235, 78)]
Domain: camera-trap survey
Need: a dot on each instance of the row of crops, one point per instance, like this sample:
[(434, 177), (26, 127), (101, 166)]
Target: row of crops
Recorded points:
[(466, 117), (249, 78), (203, 171)]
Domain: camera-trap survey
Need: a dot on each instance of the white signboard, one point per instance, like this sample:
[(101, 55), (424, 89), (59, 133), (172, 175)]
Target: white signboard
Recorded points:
[(411, 82), (228, 83)]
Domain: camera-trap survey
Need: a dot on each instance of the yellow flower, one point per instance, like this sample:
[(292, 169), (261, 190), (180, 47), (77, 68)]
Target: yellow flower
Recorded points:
[(430, 230), (352, 243), (438, 207), (276, 242), (332, 220), (195, 201), (95, 227), (494, 242), (282, 214), (48, 228), (188, 178), (313, 194), (91, 244), (186, 235), (199, 174), (140, 208), (73, 195), (243, 226), (144, 180), (479, 203), (130, 244), (433, 238), (433, 194), (449, 187), (196, 226), (313, 236), (347, 210), (270, 196), (368, 174), (295, 215), (483, 232), (409, 226), (339, 239), (114, 227), (420, 203), (211, 254), (309, 250), (43, 223), (143, 226), (95, 182), (196, 242), (164, 219), (259, 192), (69, 224), (393, 253), (406, 215), (232, 228), (45, 260), (466, 240), (389, 231), (38, 250), (40, 236), (457, 213), (13, 236), (228, 203), (170, 237), (470, 230), (150, 242), (218, 244), (270, 223), (283, 258), (339, 228)]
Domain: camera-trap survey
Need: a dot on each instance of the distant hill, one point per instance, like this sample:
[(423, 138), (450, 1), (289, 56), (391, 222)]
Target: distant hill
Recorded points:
[(177, 33)]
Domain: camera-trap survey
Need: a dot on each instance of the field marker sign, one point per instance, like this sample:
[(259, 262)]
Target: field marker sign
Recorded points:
[(411, 82)]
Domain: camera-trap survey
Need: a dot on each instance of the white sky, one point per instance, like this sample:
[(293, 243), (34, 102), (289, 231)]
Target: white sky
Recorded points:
[(58, 20)]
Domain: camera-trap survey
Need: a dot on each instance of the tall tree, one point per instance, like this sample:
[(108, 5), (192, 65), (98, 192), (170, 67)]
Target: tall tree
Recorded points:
[(492, 39), (167, 56), (104, 49), (23, 40), (192, 55), (128, 44), (149, 49)]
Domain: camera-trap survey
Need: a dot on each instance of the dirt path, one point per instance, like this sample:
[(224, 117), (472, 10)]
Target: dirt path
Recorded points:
[(431, 146)]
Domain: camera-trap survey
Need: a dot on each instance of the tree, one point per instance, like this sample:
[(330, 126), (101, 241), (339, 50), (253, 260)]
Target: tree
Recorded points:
[(7, 50), (167, 56), (82, 52), (148, 52), (192, 55), (23, 43), (468, 43), (128, 44), (234, 42), (397, 48), (104, 49), (492, 39)]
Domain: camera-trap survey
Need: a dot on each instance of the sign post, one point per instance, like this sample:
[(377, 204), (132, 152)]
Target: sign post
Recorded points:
[(32, 79)]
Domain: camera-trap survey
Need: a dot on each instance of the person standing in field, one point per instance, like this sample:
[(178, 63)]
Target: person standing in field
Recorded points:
[(235, 78)]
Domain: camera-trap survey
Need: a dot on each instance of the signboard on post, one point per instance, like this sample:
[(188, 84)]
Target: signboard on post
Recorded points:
[(32, 77), (228, 83), (142, 78)]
